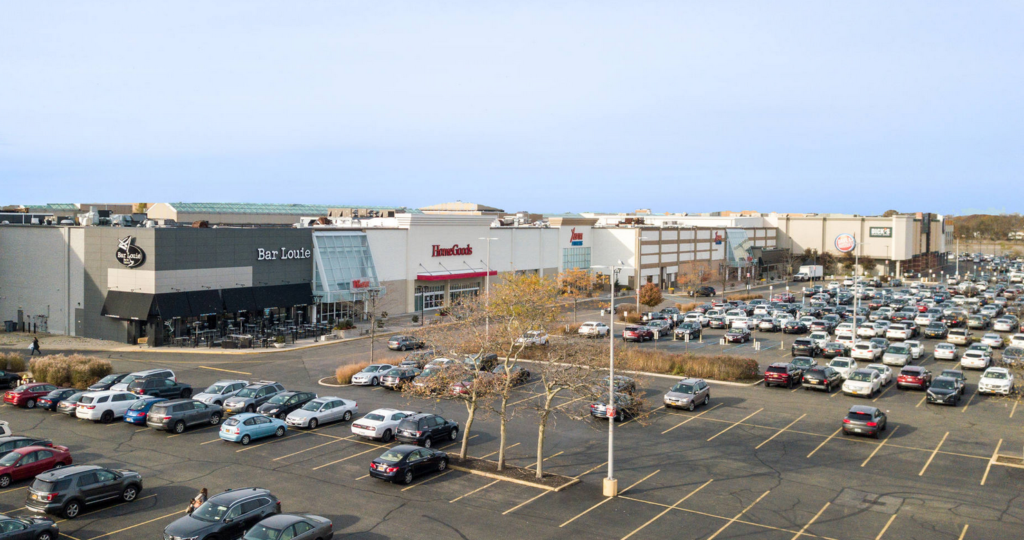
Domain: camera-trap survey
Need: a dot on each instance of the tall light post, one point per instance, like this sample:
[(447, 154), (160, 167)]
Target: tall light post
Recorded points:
[(611, 485), (487, 287)]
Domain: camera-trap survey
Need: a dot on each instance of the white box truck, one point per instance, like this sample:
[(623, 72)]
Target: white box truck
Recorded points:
[(809, 273)]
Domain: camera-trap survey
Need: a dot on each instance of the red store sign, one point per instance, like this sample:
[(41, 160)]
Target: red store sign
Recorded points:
[(454, 251)]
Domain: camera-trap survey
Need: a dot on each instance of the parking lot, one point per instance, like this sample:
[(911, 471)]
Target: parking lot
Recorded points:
[(764, 463)]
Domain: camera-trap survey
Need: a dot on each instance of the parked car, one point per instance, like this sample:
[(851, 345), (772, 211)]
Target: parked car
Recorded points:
[(794, 327), (323, 410), (936, 330), (371, 375), (157, 387), (946, 351), (244, 428), (139, 410), (50, 401), (626, 406), (688, 330), (884, 371), (5, 428), (864, 420), (804, 362), (11, 443), (916, 349), (423, 429), (252, 396), (404, 343), (996, 380), (105, 406), (833, 349), (66, 491), (291, 527), (782, 374), (403, 462), (914, 377), (69, 405), (959, 336), (637, 333), (845, 366), (397, 378), (1013, 355), (866, 350), (27, 395), (945, 391), (717, 323), (519, 374), (703, 291), (281, 405), (28, 461), (106, 382), (9, 379), (593, 329), (992, 340), (178, 414), (380, 424), (975, 360), (737, 335), (804, 347), (863, 382), (218, 392), (533, 338), (687, 394), (228, 514), (13, 528), (958, 376), (822, 377), (897, 355), (161, 373)]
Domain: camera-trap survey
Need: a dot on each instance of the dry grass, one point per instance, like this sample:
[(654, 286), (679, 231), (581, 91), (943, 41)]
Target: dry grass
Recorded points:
[(742, 297), (12, 362), (566, 329), (719, 367), (634, 318), (344, 373), (75, 371), (688, 307)]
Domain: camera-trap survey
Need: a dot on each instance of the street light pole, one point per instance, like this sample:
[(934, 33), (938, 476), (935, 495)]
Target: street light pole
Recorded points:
[(487, 288), (611, 485)]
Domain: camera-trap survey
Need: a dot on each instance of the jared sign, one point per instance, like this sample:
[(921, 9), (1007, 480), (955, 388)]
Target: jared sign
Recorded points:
[(129, 254), (282, 254), (880, 232), (454, 251)]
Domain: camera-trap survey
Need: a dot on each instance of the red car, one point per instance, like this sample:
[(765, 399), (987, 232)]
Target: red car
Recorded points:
[(914, 377), (782, 374), (787, 298), (637, 333), (27, 395), (28, 461)]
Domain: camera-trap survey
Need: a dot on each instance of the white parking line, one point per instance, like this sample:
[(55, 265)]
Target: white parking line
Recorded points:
[(517, 507), (474, 491), (886, 528), (811, 522), (733, 520), (667, 510), (716, 405), (780, 431), (606, 499), (825, 441), (735, 424)]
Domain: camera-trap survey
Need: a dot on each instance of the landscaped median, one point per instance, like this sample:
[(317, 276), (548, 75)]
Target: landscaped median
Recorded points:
[(516, 475)]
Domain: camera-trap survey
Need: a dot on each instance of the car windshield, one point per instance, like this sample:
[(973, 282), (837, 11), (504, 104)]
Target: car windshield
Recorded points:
[(107, 380), (898, 349), (231, 422), (683, 388), (860, 376), (944, 385), (945, 346), (878, 368), (129, 379), (370, 369), (262, 532), (210, 512), (215, 389), (279, 399), (840, 363), (312, 406), (10, 459), (375, 417), (246, 392), (995, 375), (391, 456)]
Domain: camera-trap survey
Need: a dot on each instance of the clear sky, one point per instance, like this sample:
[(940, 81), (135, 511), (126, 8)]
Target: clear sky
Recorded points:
[(687, 106)]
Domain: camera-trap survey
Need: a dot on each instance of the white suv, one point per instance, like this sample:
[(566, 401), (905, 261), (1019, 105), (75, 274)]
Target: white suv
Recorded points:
[(996, 380), (593, 329), (380, 424), (104, 406), (866, 350), (974, 360), (219, 391)]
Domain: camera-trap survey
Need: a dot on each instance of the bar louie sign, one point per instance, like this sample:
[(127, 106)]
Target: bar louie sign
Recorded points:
[(454, 251), (282, 254), (129, 254)]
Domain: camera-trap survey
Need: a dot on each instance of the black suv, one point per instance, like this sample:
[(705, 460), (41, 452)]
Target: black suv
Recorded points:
[(804, 347), (252, 396), (481, 363), (160, 387), (703, 291), (225, 515), (424, 429), (106, 382), (178, 414), (9, 379), (67, 490), (280, 405), (822, 377), (936, 331)]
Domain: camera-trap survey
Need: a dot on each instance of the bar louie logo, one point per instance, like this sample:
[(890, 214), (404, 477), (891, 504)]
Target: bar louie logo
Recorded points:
[(282, 254), (129, 254), (454, 251), (575, 238)]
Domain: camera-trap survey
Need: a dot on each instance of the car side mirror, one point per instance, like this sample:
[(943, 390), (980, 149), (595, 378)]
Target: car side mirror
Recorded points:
[(228, 520)]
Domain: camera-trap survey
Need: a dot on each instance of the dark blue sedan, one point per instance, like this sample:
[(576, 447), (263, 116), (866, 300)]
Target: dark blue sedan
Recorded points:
[(137, 412)]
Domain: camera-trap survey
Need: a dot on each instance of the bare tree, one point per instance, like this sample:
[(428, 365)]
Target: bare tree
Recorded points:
[(577, 284), (458, 382)]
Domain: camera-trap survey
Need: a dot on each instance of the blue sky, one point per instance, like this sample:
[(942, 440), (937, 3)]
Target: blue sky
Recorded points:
[(541, 106)]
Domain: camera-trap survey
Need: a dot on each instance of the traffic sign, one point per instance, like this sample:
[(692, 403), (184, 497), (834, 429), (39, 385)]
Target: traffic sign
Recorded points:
[(845, 243), (611, 412)]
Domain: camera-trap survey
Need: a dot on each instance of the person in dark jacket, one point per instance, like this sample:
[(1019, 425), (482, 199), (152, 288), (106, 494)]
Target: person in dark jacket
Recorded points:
[(35, 347)]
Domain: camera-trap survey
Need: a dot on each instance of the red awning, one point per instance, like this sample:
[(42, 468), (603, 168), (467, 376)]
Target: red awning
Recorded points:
[(446, 276)]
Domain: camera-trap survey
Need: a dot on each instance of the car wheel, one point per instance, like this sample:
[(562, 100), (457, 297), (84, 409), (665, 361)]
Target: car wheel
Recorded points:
[(218, 403), (245, 440), (44, 536), (347, 417), (214, 419), (279, 432), (454, 434), (374, 382), (129, 494), (179, 426), (30, 404), (71, 509), (408, 477), (5, 480), (186, 393), (386, 437), (313, 423), (707, 399), (443, 465), (107, 417), (691, 407), (250, 409), (428, 442)]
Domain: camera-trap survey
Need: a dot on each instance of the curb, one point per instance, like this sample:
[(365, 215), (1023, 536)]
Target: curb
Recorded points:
[(322, 383), (495, 476), (663, 375), (203, 350)]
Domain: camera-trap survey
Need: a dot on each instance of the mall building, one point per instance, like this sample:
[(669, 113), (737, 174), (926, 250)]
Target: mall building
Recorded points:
[(234, 269)]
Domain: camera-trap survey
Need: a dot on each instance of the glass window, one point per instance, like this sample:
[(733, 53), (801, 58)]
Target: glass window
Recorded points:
[(575, 257), (344, 266), (429, 297)]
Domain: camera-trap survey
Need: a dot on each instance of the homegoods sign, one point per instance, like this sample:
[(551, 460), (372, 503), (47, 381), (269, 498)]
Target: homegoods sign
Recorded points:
[(454, 251), (880, 232)]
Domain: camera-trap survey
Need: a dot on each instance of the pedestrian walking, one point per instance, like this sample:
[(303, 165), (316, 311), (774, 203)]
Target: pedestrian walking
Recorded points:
[(35, 347)]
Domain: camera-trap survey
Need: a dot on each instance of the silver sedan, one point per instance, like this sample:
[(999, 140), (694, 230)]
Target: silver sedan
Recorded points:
[(322, 411), (292, 526)]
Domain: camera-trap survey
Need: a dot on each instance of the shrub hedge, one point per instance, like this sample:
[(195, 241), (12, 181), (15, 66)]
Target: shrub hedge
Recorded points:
[(344, 373), (721, 367), (75, 371), (12, 362)]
